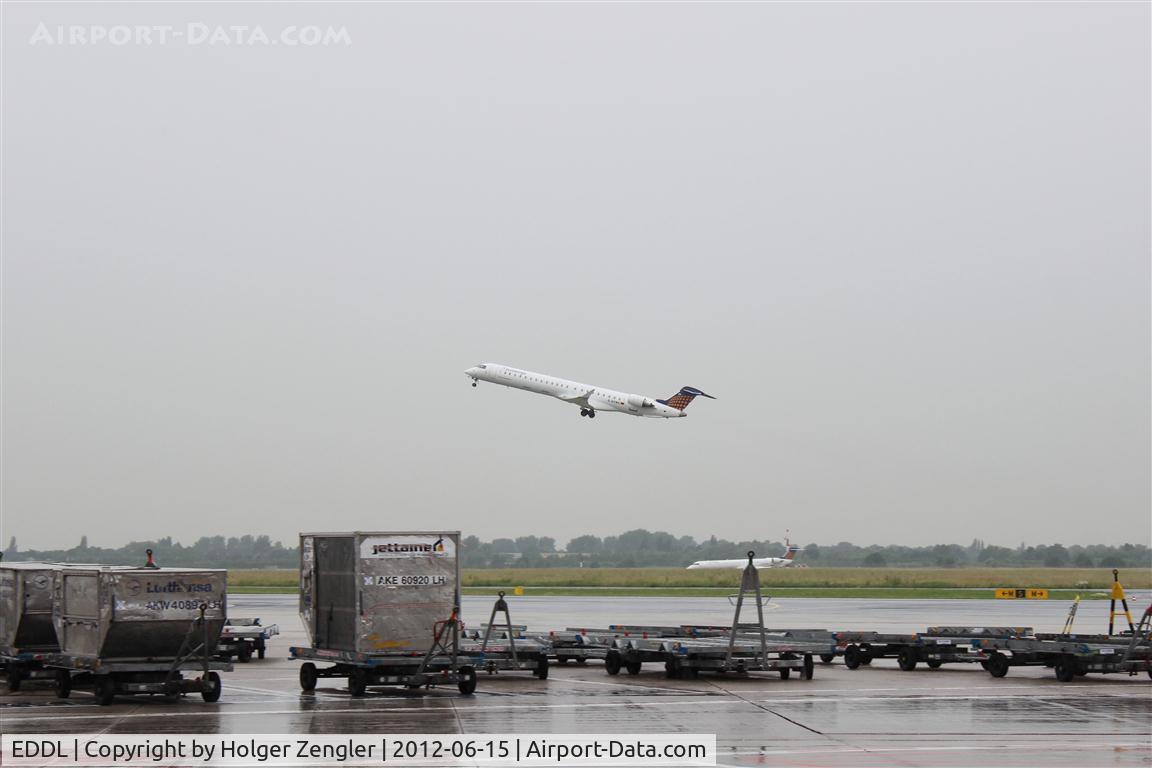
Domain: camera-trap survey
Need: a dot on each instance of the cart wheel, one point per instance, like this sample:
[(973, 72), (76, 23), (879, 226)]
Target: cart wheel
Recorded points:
[(308, 676), (541, 670), (906, 659), (210, 687), (1065, 668), (852, 657), (672, 668), (467, 684), (612, 663), (633, 667), (358, 681), (809, 666), (244, 654), (105, 690), (827, 658), (997, 664), (14, 679), (260, 648), (561, 659), (582, 661), (171, 693), (63, 683), (934, 663), (785, 673)]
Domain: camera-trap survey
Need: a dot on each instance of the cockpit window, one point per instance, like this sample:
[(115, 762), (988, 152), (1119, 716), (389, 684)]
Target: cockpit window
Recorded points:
[(481, 366)]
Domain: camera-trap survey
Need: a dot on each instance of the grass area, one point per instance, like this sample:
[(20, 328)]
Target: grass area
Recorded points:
[(934, 578), (922, 583), (896, 593), (271, 577)]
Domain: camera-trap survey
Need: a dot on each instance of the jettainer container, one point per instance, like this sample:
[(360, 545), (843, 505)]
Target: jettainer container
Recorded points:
[(383, 608), (112, 612), (378, 593)]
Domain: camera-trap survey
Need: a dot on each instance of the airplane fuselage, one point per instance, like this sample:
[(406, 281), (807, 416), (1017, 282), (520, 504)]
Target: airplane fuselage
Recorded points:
[(741, 563), (587, 396)]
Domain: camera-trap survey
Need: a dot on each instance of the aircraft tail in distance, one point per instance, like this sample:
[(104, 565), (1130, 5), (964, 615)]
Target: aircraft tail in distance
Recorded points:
[(686, 395)]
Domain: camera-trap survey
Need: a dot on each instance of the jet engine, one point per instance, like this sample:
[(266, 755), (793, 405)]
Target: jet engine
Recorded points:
[(636, 401)]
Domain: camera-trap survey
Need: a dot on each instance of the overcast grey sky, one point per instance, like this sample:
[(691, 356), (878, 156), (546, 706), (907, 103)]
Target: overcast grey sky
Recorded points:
[(905, 244)]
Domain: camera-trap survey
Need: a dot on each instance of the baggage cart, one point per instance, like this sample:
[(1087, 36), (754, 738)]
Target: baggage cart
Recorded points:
[(240, 639), (1071, 656), (127, 631), (26, 630), (506, 647), (686, 650)]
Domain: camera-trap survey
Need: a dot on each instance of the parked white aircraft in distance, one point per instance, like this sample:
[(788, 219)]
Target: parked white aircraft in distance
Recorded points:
[(590, 399), (787, 561)]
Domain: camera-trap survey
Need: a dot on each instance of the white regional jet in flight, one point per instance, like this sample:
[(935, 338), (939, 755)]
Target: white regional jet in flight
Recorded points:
[(787, 561), (590, 399)]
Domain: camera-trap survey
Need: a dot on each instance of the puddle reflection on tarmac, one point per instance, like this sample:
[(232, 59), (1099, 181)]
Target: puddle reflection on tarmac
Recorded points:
[(874, 716)]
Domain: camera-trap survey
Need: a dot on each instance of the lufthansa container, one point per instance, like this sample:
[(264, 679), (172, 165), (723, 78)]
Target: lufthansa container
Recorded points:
[(114, 612), (26, 608), (378, 593)]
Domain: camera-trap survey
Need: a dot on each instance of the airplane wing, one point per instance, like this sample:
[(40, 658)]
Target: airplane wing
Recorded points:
[(580, 400)]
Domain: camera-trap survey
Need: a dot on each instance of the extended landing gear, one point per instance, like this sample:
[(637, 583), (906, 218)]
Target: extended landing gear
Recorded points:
[(473, 382), (589, 412)]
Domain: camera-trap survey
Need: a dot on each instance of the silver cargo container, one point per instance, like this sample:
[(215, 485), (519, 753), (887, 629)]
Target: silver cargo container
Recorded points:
[(112, 612), (378, 593), (26, 608)]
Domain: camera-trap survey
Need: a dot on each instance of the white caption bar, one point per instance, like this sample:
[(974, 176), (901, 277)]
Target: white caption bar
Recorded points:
[(262, 749)]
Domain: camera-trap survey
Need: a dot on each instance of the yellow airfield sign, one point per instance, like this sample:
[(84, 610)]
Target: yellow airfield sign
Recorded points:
[(1022, 594)]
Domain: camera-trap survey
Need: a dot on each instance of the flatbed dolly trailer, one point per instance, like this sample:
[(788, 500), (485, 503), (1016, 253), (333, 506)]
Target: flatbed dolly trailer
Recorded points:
[(518, 655), (158, 677), (572, 645), (515, 649), (580, 644), (1072, 656), (24, 666), (689, 656), (26, 629), (362, 670), (503, 647), (935, 646), (240, 639), (825, 637)]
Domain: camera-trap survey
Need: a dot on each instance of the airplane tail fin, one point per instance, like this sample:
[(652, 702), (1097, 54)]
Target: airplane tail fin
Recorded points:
[(686, 395), (790, 553)]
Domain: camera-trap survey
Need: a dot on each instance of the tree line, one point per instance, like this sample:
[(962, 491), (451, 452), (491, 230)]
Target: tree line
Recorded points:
[(638, 548)]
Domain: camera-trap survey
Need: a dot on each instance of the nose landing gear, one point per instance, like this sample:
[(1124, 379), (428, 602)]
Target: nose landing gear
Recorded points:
[(473, 382)]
